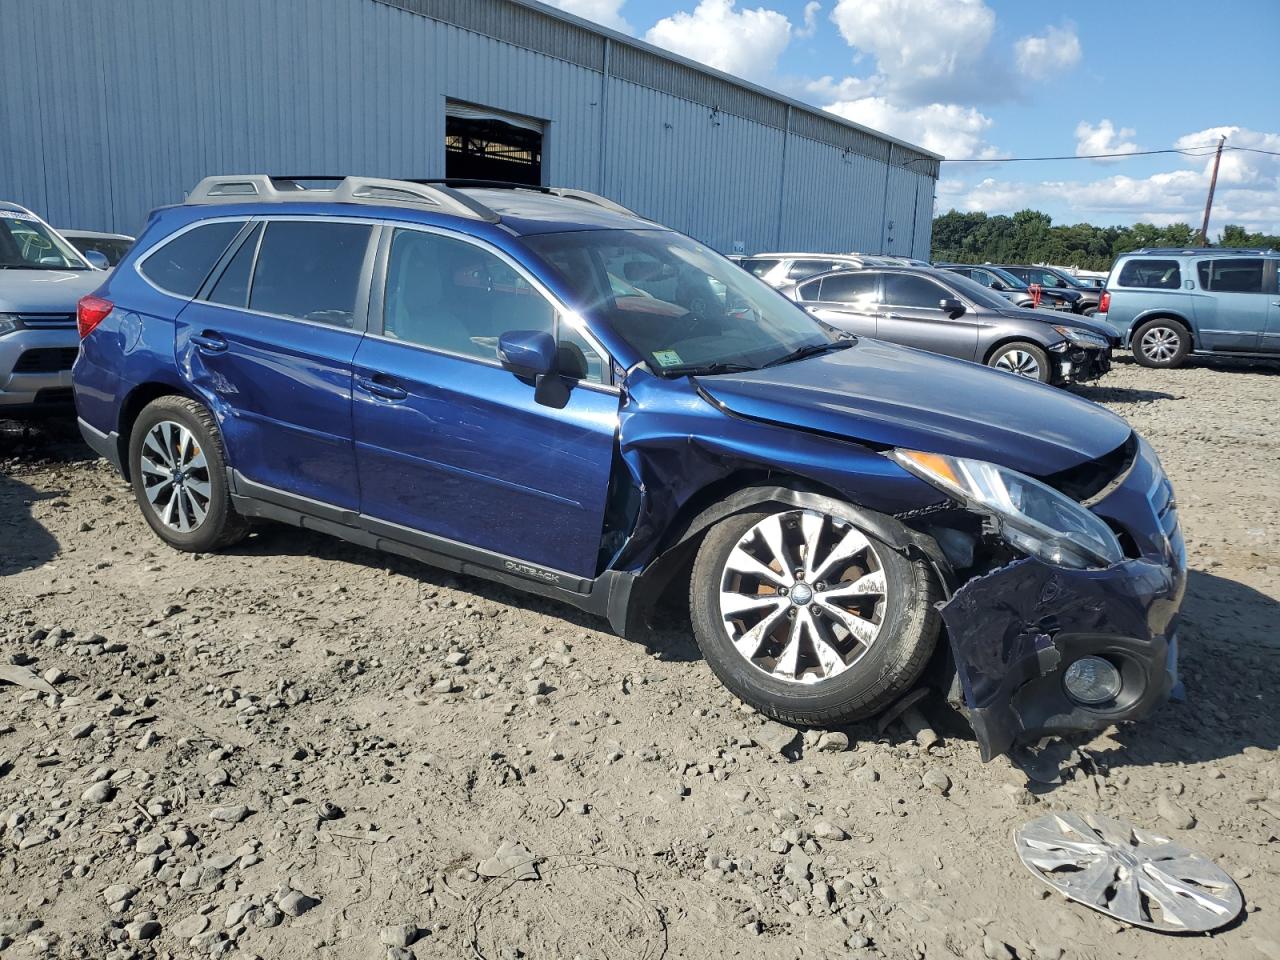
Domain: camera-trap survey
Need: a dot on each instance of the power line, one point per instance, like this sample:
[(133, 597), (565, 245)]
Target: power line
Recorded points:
[(1185, 151)]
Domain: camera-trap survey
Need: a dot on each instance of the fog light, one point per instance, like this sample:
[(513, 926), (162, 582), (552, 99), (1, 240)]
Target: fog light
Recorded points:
[(1092, 680)]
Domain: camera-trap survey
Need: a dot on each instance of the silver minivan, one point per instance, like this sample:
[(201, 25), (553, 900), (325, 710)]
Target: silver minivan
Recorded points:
[(1168, 303)]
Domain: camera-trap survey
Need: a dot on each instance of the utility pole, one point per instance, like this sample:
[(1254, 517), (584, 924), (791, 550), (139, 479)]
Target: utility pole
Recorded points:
[(1213, 182)]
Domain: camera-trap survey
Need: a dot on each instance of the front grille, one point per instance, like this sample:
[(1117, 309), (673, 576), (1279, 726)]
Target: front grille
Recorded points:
[(1092, 477), (45, 360), (48, 321)]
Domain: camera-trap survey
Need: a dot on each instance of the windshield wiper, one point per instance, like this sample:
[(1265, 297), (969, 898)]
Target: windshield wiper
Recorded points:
[(810, 351), (705, 369)]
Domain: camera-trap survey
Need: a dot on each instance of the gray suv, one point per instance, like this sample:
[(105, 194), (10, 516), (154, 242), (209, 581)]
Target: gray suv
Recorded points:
[(42, 278), (1167, 303), (946, 313)]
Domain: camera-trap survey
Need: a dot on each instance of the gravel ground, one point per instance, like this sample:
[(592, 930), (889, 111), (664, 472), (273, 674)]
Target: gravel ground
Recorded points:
[(300, 748)]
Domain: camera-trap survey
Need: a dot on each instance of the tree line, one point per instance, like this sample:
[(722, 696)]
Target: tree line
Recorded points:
[(1030, 236)]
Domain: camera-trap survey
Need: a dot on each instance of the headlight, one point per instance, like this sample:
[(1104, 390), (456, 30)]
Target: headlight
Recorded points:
[(9, 322), (1035, 518), (1083, 338)]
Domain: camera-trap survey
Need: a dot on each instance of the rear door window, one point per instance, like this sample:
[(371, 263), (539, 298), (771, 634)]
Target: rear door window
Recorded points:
[(232, 288), (1232, 276), (182, 264), (905, 290), (310, 271), (855, 289), (1151, 274)]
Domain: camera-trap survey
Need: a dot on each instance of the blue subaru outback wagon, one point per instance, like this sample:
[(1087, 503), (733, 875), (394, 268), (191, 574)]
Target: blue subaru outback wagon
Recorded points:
[(537, 386)]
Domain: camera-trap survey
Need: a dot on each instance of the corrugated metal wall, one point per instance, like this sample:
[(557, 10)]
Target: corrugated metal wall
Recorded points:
[(164, 92)]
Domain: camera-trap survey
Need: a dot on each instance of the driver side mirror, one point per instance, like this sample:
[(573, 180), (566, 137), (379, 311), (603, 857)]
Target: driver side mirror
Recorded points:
[(97, 259), (998, 287), (527, 353), (952, 307)]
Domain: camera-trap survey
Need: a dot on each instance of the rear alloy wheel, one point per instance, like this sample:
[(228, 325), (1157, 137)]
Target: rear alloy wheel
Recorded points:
[(1161, 343), (1023, 360), (808, 618), (179, 476)]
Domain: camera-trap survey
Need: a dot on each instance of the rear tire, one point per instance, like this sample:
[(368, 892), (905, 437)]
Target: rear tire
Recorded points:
[(1088, 311), (833, 675), (1161, 343), (1023, 359), (178, 470)]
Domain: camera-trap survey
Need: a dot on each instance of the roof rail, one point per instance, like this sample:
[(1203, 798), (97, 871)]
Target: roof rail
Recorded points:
[(1175, 250), (568, 193), (258, 186)]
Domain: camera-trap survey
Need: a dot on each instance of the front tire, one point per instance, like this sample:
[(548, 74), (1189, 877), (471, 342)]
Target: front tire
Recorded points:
[(1161, 343), (1023, 359), (808, 618), (177, 467)]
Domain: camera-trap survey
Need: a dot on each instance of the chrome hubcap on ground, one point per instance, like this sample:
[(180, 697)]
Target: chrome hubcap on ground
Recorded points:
[(1131, 874), (1159, 344), (175, 476), (803, 596), (1019, 362)]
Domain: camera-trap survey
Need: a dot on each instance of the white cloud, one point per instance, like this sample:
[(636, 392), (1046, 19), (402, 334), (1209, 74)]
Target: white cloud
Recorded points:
[(926, 50), (605, 12), (1040, 58), (745, 43), (1104, 138), (811, 11), (946, 128)]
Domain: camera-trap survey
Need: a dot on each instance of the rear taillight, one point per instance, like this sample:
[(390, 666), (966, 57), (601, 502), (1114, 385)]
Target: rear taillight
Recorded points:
[(90, 312), (1105, 303)]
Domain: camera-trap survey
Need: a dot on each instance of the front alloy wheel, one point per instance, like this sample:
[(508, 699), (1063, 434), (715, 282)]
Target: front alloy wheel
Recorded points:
[(1023, 360), (802, 596), (807, 616)]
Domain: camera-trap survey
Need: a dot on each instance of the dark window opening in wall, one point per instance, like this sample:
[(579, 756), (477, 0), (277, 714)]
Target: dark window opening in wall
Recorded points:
[(480, 145)]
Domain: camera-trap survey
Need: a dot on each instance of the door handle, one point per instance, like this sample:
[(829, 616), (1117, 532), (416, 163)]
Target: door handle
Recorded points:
[(385, 391), (210, 342)]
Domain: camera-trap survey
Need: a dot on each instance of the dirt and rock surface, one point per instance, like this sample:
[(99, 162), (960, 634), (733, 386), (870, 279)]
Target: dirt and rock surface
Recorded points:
[(301, 748)]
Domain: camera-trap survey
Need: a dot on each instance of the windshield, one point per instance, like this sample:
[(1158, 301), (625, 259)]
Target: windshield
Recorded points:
[(27, 244), (983, 296), (1007, 278), (681, 305)]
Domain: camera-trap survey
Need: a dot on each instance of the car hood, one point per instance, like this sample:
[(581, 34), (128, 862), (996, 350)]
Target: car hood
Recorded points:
[(890, 396), (46, 291)]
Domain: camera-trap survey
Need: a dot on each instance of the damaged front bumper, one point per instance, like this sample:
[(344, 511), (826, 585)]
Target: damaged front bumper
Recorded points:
[(1015, 630), (1082, 364)]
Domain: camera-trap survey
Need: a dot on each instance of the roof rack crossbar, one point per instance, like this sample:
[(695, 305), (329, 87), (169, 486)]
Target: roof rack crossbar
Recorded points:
[(239, 188), (568, 193)]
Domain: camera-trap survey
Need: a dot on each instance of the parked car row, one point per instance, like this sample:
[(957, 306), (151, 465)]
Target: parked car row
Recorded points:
[(539, 387), (1163, 304)]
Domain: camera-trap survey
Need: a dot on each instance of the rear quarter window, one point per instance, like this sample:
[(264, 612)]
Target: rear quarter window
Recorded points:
[(179, 266), (1151, 274)]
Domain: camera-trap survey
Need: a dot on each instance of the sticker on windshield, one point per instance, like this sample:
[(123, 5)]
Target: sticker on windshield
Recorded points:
[(16, 215), (667, 358)]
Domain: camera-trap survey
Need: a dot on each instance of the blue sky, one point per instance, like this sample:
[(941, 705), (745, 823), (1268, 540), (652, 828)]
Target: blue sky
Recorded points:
[(981, 79)]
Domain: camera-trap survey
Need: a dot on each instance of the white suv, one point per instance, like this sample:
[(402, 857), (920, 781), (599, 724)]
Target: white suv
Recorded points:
[(779, 269), (42, 278)]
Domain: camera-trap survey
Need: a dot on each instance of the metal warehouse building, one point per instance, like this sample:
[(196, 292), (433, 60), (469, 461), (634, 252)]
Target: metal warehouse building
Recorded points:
[(152, 95)]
